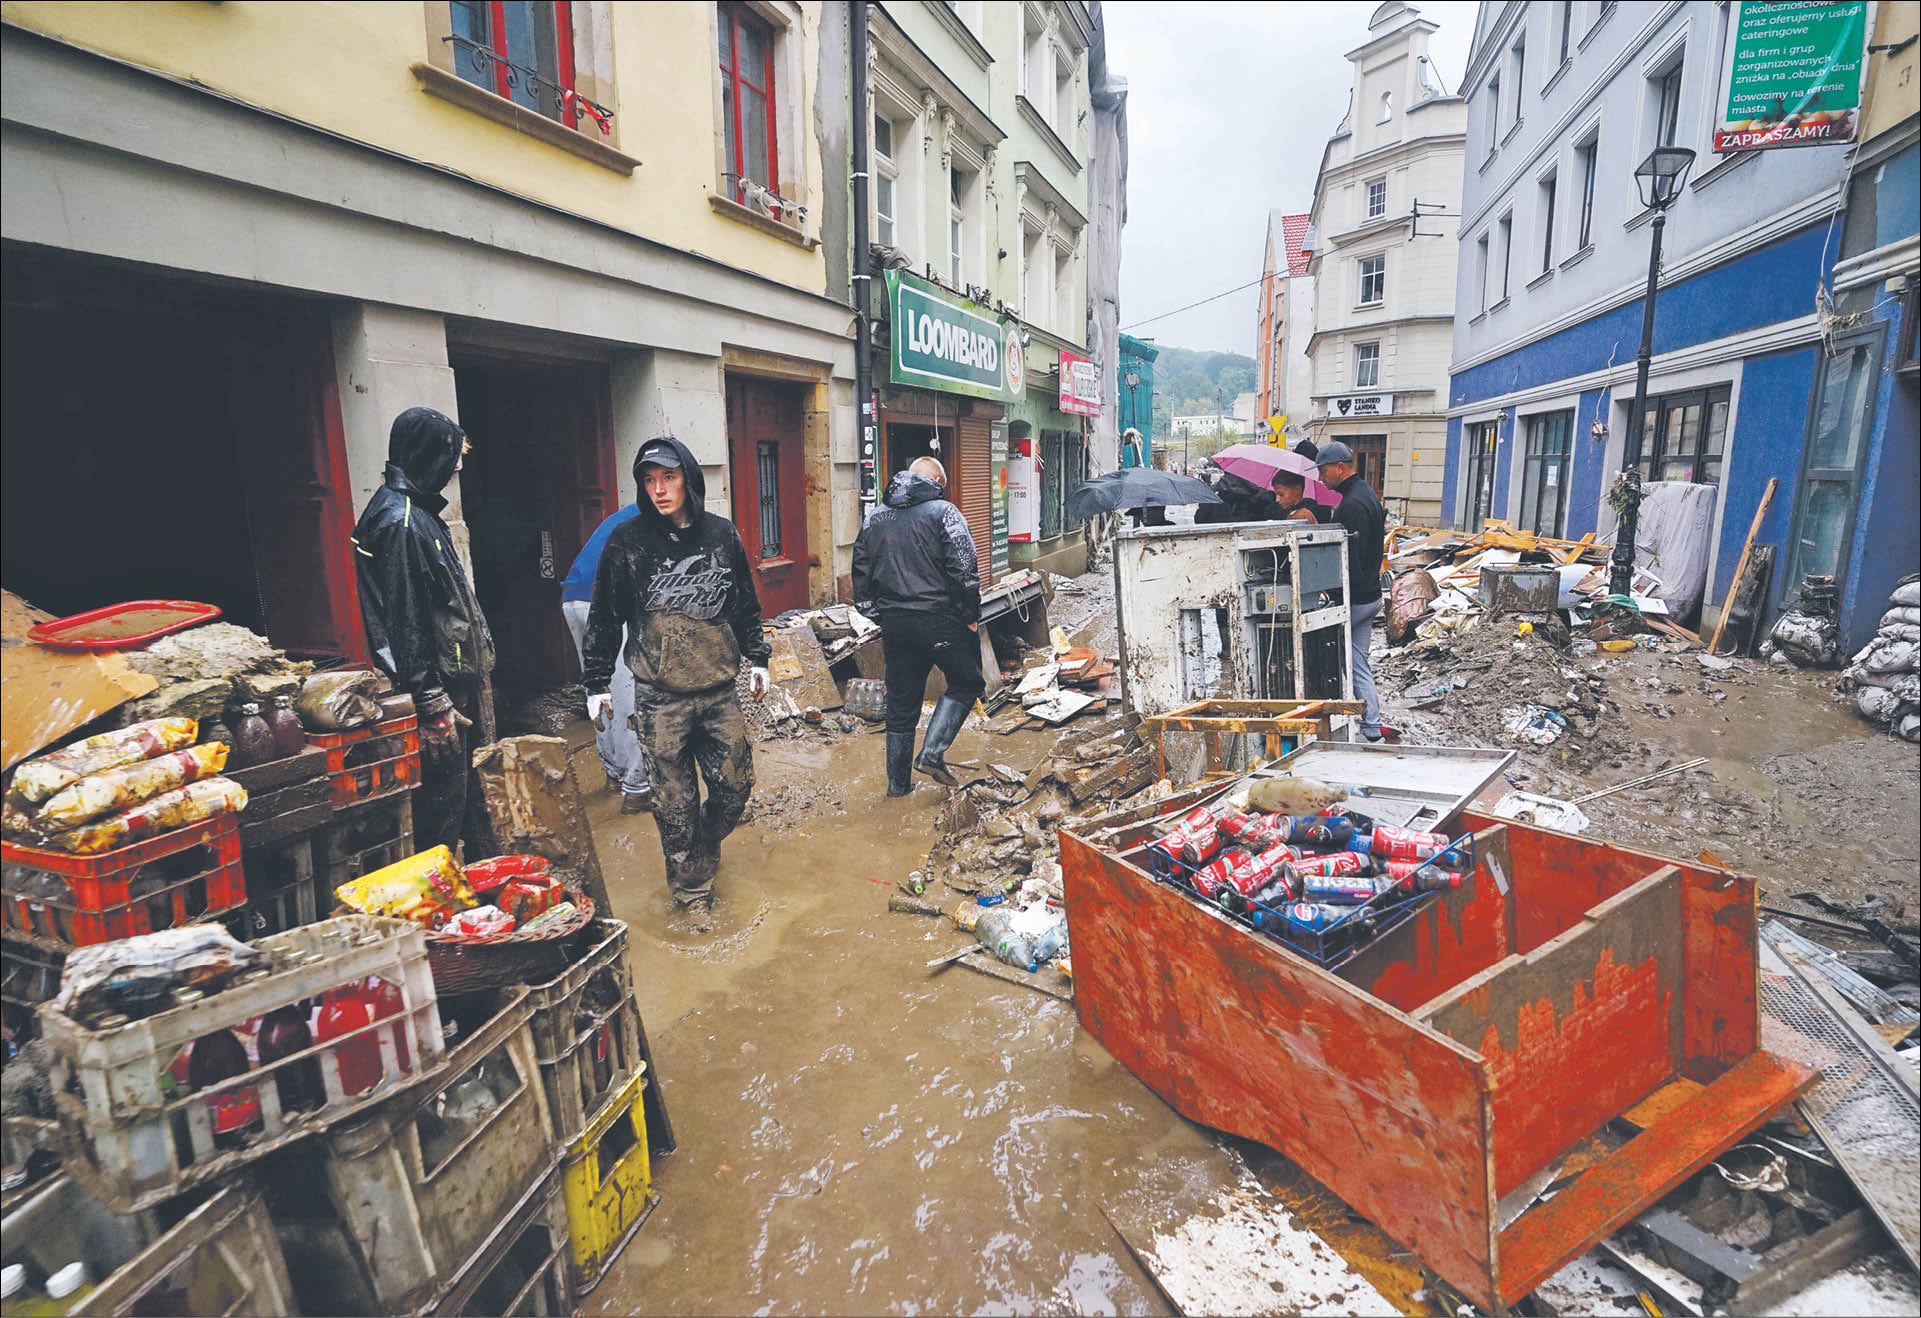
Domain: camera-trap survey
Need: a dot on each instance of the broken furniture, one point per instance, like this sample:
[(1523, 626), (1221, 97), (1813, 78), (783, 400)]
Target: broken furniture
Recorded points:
[(1282, 725), (1242, 612), (1460, 1054)]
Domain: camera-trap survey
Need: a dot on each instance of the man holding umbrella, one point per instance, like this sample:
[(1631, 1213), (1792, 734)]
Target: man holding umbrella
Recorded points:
[(1365, 521)]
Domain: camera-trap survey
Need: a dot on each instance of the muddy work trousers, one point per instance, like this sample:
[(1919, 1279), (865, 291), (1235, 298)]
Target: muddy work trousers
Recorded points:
[(688, 740), (448, 804)]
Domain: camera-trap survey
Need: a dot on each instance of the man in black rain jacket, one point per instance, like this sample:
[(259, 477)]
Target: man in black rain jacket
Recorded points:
[(424, 624), (916, 574), (1241, 501), (678, 580)]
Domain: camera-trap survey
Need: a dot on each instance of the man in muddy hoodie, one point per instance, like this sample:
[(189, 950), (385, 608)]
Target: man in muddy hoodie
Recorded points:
[(424, 625), (677, 579), (916, 573)]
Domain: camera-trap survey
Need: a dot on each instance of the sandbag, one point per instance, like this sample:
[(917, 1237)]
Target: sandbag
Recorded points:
[(1907, 595), (1901, 617), (40, 778), (1408, 600), (339, 700)]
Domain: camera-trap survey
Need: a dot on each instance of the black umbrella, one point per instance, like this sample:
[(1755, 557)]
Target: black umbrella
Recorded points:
[(1136, 487)]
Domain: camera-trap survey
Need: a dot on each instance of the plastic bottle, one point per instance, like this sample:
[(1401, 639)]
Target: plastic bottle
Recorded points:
[(344, 1009), (65, 1290), (996, 933), (253, 740), (216, 729), (216, 1057), (1051, 941), (284, 1032), (289, 738), (388, 1002)]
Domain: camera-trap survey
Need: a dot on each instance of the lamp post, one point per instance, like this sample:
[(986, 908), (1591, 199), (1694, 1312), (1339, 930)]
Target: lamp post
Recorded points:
[(1659, 178)]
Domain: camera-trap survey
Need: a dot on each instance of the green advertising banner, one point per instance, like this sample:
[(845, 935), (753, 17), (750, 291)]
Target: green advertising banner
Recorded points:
[(1794, 74), (947, 343), (998, 461)]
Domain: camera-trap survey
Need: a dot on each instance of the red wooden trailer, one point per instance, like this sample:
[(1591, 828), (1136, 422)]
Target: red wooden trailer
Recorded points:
[(1464, 1051)]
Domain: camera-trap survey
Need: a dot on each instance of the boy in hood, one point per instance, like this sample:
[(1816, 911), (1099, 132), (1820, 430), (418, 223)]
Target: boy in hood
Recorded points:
[(916, 573), (424, 624), (676, 581)]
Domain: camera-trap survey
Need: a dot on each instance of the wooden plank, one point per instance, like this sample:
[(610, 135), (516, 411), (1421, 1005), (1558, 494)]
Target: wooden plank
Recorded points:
[(49, 693), (1461, 933), (1241, 1034), (1741, 565), (1612, 1193), (1577, 1030), (1580, 547)]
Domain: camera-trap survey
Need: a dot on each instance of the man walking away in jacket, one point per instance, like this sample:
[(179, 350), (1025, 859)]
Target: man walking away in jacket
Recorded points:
[(424, 624), (619, 748), (1365, 521), (916, 573), (674, 600)]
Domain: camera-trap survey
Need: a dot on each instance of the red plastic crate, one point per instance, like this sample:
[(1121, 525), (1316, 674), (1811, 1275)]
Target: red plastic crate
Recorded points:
[(389, 759), (101, 905)]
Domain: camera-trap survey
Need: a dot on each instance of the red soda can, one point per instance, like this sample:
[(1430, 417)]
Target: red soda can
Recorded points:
[(1262, 871), (1332, 865), (1172, 845), (1211, 879), (1408, 844), (1203, 828)]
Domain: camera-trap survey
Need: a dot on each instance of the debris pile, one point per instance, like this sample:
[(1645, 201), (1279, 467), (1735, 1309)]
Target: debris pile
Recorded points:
[(1884, 679), (205, 669), (1808, 635)]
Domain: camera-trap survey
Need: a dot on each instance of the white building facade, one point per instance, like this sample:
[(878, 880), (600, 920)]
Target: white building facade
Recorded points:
[(1382, 258)]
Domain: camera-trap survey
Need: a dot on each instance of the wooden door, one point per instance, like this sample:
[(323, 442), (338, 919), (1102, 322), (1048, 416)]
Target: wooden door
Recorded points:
[(766, 434)]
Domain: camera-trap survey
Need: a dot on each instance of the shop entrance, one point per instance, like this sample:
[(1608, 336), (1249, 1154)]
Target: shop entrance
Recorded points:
[(166, 440), (540, 478), (766, 440), (903, 441)]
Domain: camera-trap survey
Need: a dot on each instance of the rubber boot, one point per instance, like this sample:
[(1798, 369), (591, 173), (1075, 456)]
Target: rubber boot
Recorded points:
[(900, 763), (942, 728)]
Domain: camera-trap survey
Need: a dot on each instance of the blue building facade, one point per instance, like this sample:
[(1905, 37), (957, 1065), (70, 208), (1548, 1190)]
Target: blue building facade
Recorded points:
[(1565, 99)]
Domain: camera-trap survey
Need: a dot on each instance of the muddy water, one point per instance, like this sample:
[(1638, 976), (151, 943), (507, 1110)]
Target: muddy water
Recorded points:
[(855, 1136)]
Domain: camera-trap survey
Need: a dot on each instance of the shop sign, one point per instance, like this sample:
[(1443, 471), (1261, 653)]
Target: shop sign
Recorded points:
[(1080, 385), (1360, 405), (1794, 70), (1023, 493), (949, 344), (998, 461)]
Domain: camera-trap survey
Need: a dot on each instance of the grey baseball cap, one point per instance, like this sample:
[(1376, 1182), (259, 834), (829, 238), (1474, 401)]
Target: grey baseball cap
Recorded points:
[(1332, 452), (658, 453)]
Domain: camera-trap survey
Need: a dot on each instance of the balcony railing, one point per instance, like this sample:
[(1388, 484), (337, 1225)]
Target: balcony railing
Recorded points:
[(759, 197), (568, 104)]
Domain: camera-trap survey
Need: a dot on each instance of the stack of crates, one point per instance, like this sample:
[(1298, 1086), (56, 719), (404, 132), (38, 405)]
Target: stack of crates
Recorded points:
[(434, 1188), (604, 1096), (138, 1136), (289, 808), (372, 773), (52, 902)]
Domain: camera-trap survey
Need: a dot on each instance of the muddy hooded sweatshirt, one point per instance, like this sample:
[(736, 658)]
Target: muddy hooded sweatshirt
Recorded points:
[(423, 622), (685, 595)]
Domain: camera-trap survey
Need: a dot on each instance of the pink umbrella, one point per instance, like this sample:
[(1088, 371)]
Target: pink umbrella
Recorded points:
[(1259, 462)]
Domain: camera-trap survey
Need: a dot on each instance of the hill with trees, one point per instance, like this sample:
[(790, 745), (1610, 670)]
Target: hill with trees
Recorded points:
[(1188, 380)]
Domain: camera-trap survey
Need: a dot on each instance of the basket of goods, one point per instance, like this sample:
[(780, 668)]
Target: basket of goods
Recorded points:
[(502, 921)]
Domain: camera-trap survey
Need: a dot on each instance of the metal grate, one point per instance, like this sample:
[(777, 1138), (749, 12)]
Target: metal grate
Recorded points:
[(1862, 1110), (767, 474)]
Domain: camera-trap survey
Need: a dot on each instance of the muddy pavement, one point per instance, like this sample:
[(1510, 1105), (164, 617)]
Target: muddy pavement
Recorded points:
[(855, 1136)]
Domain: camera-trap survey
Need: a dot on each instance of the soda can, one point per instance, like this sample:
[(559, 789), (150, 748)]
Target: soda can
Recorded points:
[(1211, 879), (1419, 875), (1172, 845), (1332, 865), (1319, 832), (1347, 889), (1259, 873), (1315, 917), (1203, 830), (1408, 844), (1257, 832)]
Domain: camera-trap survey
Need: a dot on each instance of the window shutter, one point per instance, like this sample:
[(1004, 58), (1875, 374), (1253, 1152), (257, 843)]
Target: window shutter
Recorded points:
[(975, 487)]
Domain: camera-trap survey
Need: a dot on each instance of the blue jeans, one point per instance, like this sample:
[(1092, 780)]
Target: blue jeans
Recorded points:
[(618, 746), (1360, 619)]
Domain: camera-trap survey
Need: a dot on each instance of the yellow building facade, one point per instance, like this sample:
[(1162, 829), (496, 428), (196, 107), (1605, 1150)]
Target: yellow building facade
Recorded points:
[(264, 229)]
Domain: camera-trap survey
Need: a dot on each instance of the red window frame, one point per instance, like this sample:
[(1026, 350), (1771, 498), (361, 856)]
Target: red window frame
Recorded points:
[(738, 16), (563, 55)]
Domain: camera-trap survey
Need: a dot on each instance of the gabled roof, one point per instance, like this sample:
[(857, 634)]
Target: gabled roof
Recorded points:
[(1293, 230)]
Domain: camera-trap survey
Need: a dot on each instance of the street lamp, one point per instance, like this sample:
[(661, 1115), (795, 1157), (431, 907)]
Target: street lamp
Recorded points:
[(1659, 178)]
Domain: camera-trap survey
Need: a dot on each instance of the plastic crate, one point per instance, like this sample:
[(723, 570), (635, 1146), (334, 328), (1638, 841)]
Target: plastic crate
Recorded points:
[(195, 873), (363, 838), (587, 1030), (425, 1181), (139, 1140), (283, 888), (608, 1181), (29, 968), (221, 1257), (523, 1267), (371, 762)]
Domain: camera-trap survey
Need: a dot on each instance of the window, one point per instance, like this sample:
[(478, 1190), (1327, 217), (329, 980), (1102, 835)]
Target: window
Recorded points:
[(1505, 231), (1683, 436), (1517, 76), (1367, 366), (1037, 73), (1387, 107), (1373, 279), (1836, 451), (767, 495), (1034, 274), (960, 191), (1544, 474), (1482, 438), (1485, 266), (747, 99), (1063, 117), (520, 52), (1548, 187), (886, 185), (1376, 198), (1370, 458), (1585, 163), (1064, 292), (1567, 27), (1493, 114), (1667, 105)]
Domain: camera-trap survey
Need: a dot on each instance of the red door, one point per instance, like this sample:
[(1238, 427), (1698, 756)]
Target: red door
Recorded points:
[(766, 431)]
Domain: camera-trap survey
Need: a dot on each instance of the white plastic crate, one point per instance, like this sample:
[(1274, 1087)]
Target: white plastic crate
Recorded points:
[(140, 1139)]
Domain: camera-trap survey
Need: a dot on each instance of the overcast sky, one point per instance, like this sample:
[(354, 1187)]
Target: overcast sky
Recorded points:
[(1228, 107)]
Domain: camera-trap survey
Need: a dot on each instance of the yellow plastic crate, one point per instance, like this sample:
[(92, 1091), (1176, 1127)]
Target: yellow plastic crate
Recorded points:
[(608, 1184)]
